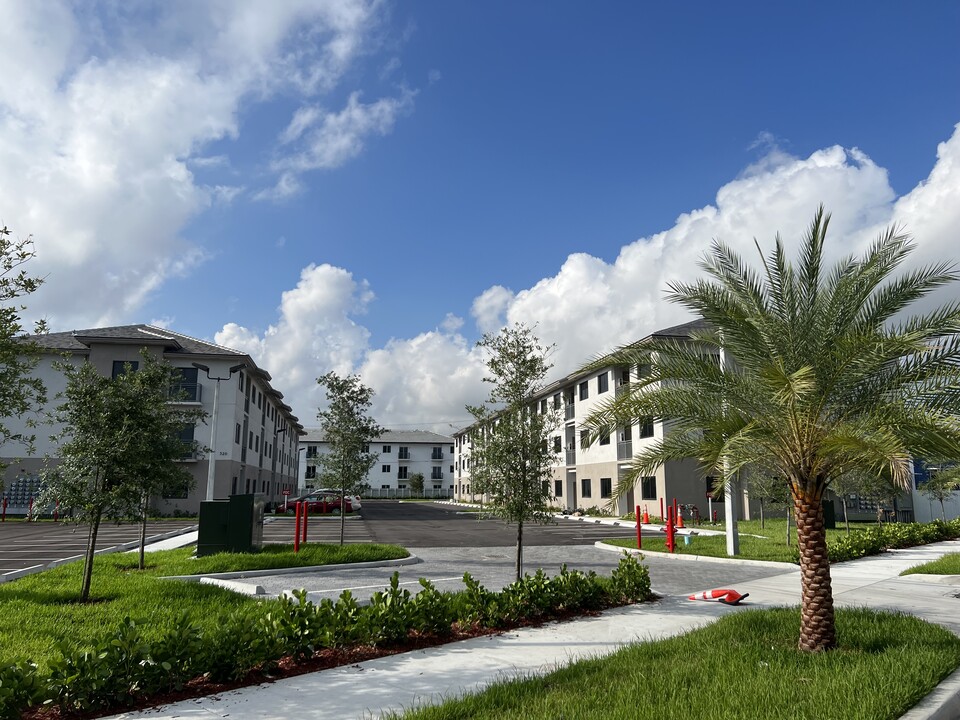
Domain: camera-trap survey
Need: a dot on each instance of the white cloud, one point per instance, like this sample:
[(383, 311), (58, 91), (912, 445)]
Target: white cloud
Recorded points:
[(590, 305), (451, 323), (107, 110)]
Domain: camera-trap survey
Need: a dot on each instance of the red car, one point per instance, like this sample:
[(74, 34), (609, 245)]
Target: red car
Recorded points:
[(318, 504)]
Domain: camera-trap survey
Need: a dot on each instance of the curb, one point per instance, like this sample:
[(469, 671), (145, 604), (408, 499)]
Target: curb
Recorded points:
[(412, 560), (943, 702), (694, 558)]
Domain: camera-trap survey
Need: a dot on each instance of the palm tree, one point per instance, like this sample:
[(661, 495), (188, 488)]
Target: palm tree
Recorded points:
[(820, 377)]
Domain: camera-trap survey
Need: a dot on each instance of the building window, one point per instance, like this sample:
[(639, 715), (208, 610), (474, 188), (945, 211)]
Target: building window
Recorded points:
[(648, 488), (451, 468), (311, 451), (436, 473), (384, 487), (605, 439), (584, 390), (402, 472), (386, 449), (311, 472), (437, 454), (250, 442), (385, 468), (586, 487), (556, 444), (646, 427), (558, 488), (366, 448), (606, 487), (120, 367), (401, 486), (236, 437), (584, 436), (603, 383), (711, 486), (257, 439), (403, 452), (438, 487)]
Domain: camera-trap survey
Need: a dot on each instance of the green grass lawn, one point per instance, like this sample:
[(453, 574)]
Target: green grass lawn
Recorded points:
[(756, 543), (947, 565), (41, 610), (744, 666)]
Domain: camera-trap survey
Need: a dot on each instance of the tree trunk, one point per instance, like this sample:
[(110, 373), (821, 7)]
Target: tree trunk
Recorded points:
[(762, 524), (143, 532), (943, 511), (817, 628), (788, 526), (519, 550), (88, 559), (846, 520)]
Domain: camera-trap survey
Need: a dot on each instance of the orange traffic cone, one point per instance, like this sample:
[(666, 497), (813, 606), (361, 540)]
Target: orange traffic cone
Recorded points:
[(723, 595), (679, 520), (646, 516)]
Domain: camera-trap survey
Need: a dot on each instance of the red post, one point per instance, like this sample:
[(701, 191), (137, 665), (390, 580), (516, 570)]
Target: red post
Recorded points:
[(30, 509), (639, 535), (670, 538), (303, 526), (663, 518), (714, 515), (56, 511), (296, 532), (4, 517)]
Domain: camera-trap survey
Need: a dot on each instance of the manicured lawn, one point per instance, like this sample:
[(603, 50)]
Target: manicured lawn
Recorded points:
[(756, 543), (744, 666), (41, 610), (947, 565)]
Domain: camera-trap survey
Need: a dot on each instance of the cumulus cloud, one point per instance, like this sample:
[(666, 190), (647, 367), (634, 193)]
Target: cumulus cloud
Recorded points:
[(107, 111), (589, 306)]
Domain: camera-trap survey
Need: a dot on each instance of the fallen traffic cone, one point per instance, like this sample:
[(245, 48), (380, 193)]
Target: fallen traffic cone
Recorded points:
[(723, 595)]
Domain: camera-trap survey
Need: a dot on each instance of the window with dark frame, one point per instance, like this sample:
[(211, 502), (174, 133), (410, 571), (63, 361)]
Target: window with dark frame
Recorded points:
[(605, 439), (603, 383), (558, 488), (584, 390), (648, 488), (646, 427), (586, 487), (120, 367), (606, 487)]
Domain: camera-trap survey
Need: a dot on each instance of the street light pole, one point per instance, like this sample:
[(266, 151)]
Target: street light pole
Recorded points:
[(212, 459)]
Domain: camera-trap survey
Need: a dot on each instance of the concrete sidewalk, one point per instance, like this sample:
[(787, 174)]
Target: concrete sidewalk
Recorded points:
[(401, 681)]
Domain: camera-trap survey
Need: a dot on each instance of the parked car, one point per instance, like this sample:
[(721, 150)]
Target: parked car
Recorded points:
[(322, 501)]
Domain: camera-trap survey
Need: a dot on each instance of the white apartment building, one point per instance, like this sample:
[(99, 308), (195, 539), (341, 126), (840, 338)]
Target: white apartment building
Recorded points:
[(401, 454), (589, 477), (255, 446)]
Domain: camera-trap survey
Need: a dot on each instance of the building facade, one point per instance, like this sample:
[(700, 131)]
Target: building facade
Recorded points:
[(589, 477), (254, 448), (401, 454)]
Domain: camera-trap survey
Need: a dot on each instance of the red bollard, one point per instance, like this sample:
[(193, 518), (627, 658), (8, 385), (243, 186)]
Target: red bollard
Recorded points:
[(663, 518), (30, 509), (4, 517), (306, 513), (670, 536), (56, 511), (714, 515), (639, 535), (296, 532)]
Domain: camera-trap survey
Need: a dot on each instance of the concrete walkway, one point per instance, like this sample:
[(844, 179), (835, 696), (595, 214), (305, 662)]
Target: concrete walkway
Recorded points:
[(401, 681)]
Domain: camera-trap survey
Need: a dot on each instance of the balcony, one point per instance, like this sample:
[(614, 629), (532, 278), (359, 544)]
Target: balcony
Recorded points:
[(569, 411), (571, 456), (186, 392), (403, 454), (625, 450), (621, 389), (436, 476), (437, 455)]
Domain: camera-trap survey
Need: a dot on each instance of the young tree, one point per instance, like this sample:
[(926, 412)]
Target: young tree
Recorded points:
[(942, 486), (348, 430), (120, 443), (21, 395), (511, 461), (416, 483), (822, 377)]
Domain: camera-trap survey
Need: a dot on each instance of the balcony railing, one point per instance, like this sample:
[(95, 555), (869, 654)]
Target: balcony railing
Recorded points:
[(622, 388), (437, 455), (624, 449), (186, 392), (569, 411), (403, 455), (571, 457), (436, 476)]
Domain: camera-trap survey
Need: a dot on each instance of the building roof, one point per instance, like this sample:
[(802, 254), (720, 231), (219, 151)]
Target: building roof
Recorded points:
[(412, 437), (172, 342)]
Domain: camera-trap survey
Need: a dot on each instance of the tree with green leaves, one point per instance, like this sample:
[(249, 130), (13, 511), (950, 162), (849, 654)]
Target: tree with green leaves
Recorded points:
[(820, 373), (120, 443), (943, 485), (348, 431), (416, 483), (511, 462), (21, 393)]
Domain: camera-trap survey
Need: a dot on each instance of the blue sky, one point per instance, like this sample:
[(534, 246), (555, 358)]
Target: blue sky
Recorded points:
[(367, 187)]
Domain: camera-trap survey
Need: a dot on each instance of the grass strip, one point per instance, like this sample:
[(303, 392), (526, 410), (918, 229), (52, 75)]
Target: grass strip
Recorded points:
[(41, 610), (746, 665), (947, 565)]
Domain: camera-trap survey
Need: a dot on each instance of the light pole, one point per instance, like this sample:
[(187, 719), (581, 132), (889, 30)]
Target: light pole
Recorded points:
[(211, 461)]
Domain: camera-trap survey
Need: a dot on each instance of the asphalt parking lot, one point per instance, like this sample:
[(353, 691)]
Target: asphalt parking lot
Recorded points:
[(29, 544)]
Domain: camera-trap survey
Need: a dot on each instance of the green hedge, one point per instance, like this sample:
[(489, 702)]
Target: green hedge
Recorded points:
[(125, 668), (875, 540)]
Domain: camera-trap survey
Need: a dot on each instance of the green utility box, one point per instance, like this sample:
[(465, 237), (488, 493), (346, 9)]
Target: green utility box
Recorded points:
[(233, 525)]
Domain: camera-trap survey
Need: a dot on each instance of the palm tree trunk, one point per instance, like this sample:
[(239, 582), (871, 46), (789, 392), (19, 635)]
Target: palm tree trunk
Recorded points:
[(817, 623), (88, 559)]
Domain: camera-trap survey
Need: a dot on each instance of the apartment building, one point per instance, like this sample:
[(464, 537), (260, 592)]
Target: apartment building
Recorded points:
[(589, 477), (254, 448), (401, 454)]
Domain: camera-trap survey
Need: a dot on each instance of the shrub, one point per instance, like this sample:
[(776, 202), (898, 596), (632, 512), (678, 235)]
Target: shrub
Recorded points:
[(20, 688), (432, 611), (387, 615), (630, 581)]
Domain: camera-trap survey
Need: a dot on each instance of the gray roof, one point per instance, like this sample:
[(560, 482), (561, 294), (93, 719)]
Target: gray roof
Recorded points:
[(412, 437), (172, 342)]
